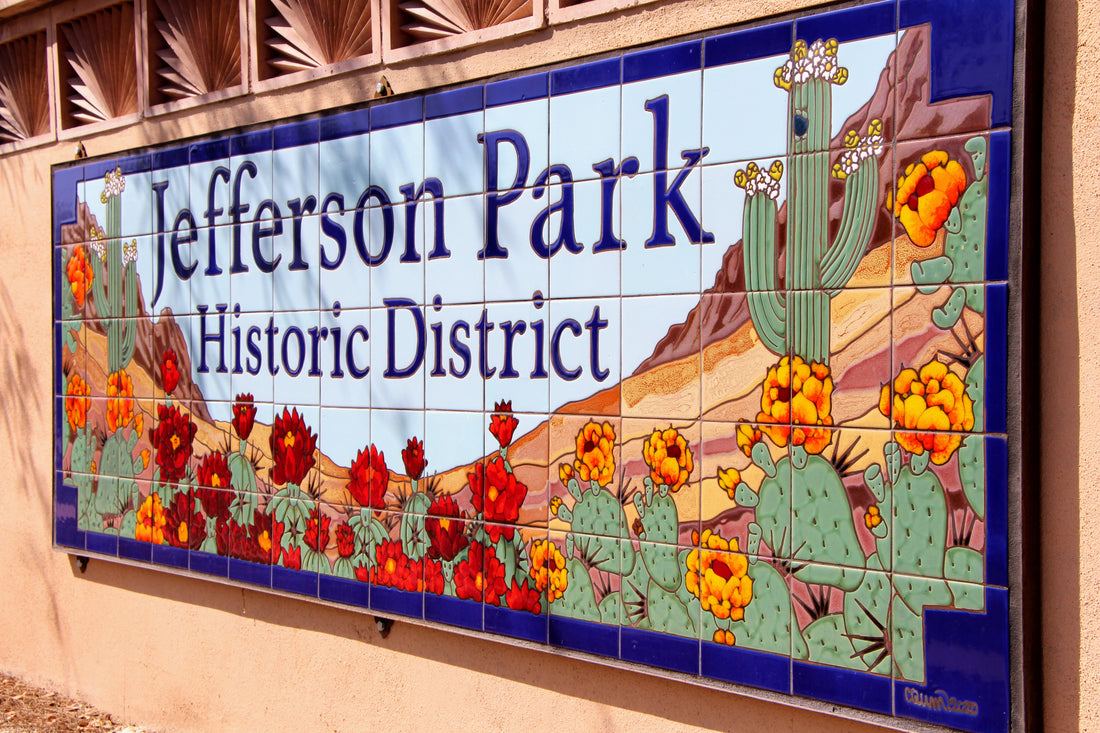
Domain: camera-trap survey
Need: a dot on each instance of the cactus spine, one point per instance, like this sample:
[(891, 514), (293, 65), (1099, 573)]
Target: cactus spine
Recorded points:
[(116, 315), (797, 320)]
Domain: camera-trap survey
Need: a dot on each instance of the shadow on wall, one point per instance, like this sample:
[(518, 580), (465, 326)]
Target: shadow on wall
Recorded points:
[(1055, 497)]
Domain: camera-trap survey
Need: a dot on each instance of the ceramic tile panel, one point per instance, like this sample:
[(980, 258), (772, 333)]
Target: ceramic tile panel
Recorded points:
[(694, 356)]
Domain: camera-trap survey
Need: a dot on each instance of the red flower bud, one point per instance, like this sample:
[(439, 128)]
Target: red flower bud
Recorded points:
[(169, 371)]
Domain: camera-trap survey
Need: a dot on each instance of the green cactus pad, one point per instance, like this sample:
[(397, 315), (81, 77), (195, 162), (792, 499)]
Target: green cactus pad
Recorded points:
[(822, 527), (766, 625), (773, 512), (907, 641), (610, 609), (919, 524), (975, 390), (662, 526), (668, 614), (827, 644), (972, 472), (579, 599), (948, 314), (867, 619)]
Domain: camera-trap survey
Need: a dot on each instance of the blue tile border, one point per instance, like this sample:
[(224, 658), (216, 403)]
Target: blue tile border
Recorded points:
[(341, 590), (334, 127), (135, 550), (996, 518), (595, 75), (663, 61), (454, 611), (176, 557), (296, 134), (395, 114), (139, 163), (520, 89), (749, 45), (518, 624), (584, 636), (966, 658), (849, 24), (454, 102), (249, 572), (171, 158), (97, 169), (101, 544), (204, 562), (996, 357), (301, 582), (250, 143), (210, 150), (998, 168), (989, 55), (391, 600), (660, 650), (65, 182), (66, 530), (844, 686), (747, 667)]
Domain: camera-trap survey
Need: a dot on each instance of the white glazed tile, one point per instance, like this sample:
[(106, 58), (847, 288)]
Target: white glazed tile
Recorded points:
[(523, 272), (212, 360), (344, 170), (453, 439), (401, 273), (212, 256), (390, 431), (744, 113), (453, 155), (298, 275), (397, 159), (453, 378), (295, 177), (585, 130), (344, 432), (254, 376), (458, 277), (587, 273), (345, 275), (514, 372), (346, 357), (297, 387), (639, 128), (669, 268), (397, 379), (590, 361), (531, 121)]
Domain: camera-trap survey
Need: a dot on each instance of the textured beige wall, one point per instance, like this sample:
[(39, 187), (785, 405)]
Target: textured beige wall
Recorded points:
[(179, 654)]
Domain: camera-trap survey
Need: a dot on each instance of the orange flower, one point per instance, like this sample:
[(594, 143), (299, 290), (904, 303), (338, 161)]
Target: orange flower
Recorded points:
[(120, 400), (150, 521), (932, 403), (80, 274), (872, 518), (728, 479), (76, 403), (718, 577), (548, 569), (927, 192), (595, 462), (669, 458), (747, 437), (795, 404)]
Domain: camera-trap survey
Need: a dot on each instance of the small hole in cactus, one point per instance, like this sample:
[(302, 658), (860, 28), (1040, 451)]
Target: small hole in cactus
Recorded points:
[(801, 125)]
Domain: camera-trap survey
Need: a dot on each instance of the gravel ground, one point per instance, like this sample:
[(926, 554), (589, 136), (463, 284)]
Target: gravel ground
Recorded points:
[(28, 709)]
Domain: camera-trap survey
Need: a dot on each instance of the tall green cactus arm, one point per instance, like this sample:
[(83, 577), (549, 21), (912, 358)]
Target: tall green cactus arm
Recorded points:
[(859, 166), (117, 318), (766, 304)]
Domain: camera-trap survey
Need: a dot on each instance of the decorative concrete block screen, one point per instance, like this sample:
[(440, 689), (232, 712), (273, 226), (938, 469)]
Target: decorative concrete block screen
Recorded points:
[(694, 357)]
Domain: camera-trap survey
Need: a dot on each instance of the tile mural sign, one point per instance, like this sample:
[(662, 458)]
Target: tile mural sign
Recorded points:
[(692, 356)]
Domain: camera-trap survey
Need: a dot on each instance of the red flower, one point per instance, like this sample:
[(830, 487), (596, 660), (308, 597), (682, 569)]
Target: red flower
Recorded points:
[(480, 576), (362, 574), (413, 457), (413, 579), (185, 527), (292, 444), (172, 440), (498, 495), (369, 478), (293, 558), (169, 371), (244, 415), (391, 566), (345, 540), (447, 535), (503, 424), (214, 472), (433, 577), (317, 530), (523, 597), (254, 543)]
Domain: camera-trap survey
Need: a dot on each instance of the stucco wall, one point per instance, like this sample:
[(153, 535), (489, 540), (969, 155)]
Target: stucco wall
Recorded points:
[(173, 653)]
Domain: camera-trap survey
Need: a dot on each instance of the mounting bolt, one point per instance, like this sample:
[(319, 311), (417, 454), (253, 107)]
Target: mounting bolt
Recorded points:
[(82, 562), (384, 625)]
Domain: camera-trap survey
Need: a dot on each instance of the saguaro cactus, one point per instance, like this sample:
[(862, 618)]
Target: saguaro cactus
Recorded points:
[(797, 319), (120, 257)]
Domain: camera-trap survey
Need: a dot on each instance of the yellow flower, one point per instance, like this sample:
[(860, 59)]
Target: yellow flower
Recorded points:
[(555, 505), (145, 459), (795, 404), (120, 400), (719, 578), (669, 458), (872, 518), (77, 402), (548, 569), (926, 194), (139, 423), (565, 472), (595, 461), (747, 437), (151, 521), (721, 636), (931, 403), (728, 478)]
